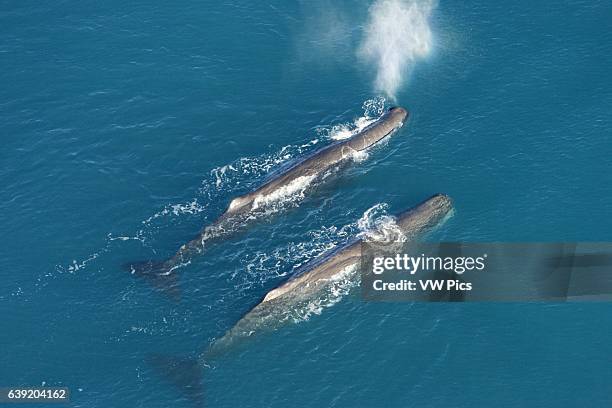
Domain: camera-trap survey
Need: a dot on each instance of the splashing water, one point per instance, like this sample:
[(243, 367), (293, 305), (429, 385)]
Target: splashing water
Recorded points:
[(300, 306), (286, 260), (336, 289), (292, 192), (377, 226), (396, 36), (372, 110)]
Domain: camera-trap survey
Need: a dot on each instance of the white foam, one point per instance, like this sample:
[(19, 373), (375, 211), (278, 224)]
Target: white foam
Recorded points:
[(293, 191), (372, 110), (229, 176), (285, 260), (376, 225), (337, 288), (396, 36), (191, 207), (78, 265), (347, 130), (374, 107)]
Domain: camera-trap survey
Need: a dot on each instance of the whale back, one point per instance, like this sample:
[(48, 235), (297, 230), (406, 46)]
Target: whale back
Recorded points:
[(239, 203), (385, 125)]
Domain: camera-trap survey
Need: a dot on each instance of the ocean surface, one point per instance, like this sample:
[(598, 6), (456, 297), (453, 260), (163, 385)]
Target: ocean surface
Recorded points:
[(126, 127)]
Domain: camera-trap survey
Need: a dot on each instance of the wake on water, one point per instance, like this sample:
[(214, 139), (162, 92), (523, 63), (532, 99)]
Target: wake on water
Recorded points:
[(226, 181), (375, 224)]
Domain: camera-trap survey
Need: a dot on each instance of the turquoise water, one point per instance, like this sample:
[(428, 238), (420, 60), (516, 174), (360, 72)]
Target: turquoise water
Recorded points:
[(127, 127)]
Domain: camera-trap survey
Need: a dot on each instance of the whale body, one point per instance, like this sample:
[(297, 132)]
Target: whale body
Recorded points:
[(242, 210), (309, 282), (316, 276)]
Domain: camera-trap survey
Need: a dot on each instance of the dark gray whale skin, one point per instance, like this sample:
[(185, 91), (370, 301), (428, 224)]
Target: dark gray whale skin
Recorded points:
[(187, 373), (317, 275), (241, 210)]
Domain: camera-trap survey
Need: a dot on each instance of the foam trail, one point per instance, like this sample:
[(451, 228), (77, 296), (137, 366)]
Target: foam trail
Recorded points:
[(222, 182), (396, 36), (300, 305), (375, 224), (372, 110)]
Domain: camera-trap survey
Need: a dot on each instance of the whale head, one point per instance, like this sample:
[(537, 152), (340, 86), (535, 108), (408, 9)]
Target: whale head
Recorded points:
[(397, 114), (390, 121), (428, 214)]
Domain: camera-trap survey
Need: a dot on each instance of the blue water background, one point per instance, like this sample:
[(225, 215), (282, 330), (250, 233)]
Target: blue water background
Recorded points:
[(117, 117)]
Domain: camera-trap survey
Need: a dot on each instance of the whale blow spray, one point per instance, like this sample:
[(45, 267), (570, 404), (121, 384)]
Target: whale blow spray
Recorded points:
[(396, 35)]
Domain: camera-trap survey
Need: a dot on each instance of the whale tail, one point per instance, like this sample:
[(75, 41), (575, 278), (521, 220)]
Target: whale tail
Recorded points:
[(184, 373), (159, 274)]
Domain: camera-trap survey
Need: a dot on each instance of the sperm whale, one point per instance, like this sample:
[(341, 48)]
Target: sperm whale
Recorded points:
[(310, 281), (242, 210), (315, 277)]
